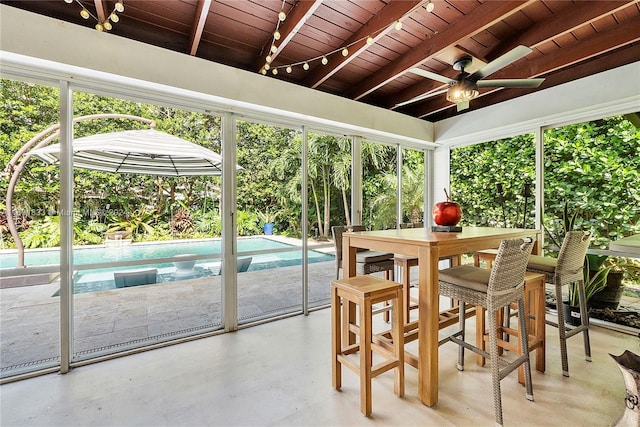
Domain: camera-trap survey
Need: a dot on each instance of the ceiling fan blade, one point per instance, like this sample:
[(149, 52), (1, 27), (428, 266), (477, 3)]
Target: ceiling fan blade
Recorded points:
[(502, 61), (430, 75), (419, 98), (523, 83)]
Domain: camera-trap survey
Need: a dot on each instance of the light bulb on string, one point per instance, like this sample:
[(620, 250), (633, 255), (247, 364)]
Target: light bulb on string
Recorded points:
[(274, 71), (84, 13), (274, 48), (345, 52), (324, 60), (268, 59), (119, 6), (114, 18), (430, 6), (99, 27), (263, 72), (369, 40), (68, 1), (276, 35), (282, 16), (107, 25), (289, 69), (267, 66), (305, 66), (398, 25)]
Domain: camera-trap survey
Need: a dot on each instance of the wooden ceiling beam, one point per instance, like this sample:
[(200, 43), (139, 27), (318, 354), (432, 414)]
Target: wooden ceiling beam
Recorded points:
[(200, 18), (376, 27), (479, 19), (616, 37), (296, 18), (100, 11), (569, 19), (623, 56)]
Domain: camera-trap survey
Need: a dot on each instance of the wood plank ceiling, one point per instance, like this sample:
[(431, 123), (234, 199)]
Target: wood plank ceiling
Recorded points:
[(570, 40)]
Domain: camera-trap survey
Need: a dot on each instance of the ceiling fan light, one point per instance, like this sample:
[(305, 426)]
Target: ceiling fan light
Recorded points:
[(463, 91)]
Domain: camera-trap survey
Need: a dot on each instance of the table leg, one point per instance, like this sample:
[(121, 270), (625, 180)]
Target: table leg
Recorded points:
[(428, 325), (349, 270)]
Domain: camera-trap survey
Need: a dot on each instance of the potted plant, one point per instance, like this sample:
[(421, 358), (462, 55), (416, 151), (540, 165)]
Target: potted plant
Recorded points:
[(595, 280), (268, 218), (609, 297)]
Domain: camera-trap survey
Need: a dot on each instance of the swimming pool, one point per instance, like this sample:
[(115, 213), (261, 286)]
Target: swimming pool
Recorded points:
[(92, 280), (138, 251)]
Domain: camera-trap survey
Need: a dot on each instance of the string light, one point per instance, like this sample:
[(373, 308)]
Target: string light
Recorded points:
[(324, 60), (430, 6), (105, 25)]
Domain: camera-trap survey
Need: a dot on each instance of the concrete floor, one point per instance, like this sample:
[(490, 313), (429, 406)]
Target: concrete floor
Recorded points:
[(279, 373)]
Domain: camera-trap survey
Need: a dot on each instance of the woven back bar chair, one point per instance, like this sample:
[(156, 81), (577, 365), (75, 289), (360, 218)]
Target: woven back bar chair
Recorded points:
[(367, 261), (493, 290), (567, 270)]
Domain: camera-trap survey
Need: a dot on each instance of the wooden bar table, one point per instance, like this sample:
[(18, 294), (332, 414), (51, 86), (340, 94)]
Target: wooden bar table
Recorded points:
[(428, 247)]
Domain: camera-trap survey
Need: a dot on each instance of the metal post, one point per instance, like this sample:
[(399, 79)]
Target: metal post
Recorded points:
[(66, 226), (356, 180), (305, 227), (229, 241)]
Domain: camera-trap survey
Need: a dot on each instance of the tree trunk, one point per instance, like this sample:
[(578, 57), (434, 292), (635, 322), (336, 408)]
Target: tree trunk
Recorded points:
[(318, 216), (327, 211), (345, 203)]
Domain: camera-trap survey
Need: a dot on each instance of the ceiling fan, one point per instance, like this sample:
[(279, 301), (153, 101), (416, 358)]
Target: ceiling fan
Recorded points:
[(464, 87)]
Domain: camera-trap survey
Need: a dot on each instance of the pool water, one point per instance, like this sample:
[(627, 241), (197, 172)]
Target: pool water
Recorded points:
[(102, 279), (90, 255)]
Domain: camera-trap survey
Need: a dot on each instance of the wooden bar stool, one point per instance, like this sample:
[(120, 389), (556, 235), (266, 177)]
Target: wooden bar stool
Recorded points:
[(488, 255), (365, 291), (534, 303), (405, 263)]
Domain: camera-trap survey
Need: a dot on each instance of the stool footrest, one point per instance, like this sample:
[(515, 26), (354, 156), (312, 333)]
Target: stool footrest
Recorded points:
[(384, 367)]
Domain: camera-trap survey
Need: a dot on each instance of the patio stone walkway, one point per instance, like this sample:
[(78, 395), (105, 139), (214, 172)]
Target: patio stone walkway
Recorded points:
[(147, 314)]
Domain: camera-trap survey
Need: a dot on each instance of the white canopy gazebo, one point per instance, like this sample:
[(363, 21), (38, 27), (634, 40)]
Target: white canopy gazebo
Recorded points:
[(146, 151)]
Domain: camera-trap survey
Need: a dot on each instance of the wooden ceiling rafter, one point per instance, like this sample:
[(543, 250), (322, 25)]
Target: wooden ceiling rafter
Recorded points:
[(476, 21), (240, 34), (296, 18), (561, 23), (200, 19), (593, 46), (377, 27), (100, 10), (624, 56), (564, 22)]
